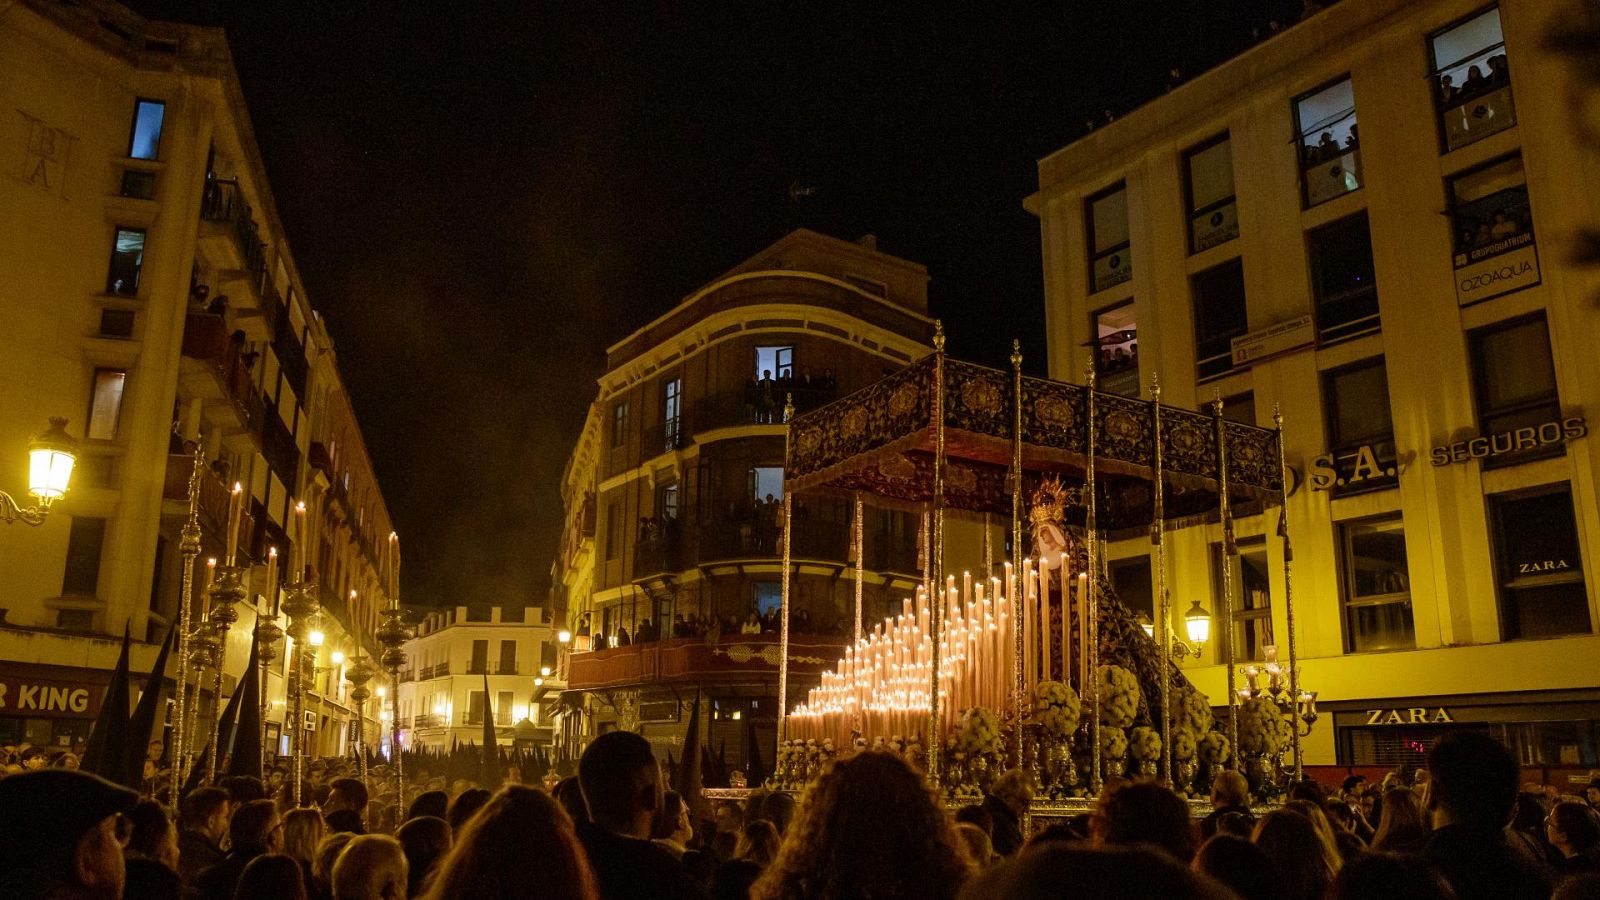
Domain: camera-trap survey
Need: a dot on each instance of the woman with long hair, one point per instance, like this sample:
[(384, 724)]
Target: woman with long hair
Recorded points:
[(1304, 860), (870, 827), (491, 857), (1324, 828), (1403, 824), (303, 830)]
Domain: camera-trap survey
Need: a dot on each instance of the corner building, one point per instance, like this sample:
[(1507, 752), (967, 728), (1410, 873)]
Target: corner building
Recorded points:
[(682, 518), (1366, 220)]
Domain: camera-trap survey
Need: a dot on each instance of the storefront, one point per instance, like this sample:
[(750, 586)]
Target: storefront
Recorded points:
[(50, 706), (1550, 729)]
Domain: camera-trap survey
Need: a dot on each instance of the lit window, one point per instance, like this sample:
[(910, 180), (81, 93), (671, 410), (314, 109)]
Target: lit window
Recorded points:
[(1472, 80), (1251, 599), (1330, 151), (145, 142), (1377, 586), (1213, 215), (1344, 282), (1493, 231), (105, 403), (1219, 317), (766, 482), (774, 362), (127, 258), (1539, 564), (1514, 387), (1111, 262), (769, 597), (619, 424), (1116, 350), (672, 412), (1360, 427)]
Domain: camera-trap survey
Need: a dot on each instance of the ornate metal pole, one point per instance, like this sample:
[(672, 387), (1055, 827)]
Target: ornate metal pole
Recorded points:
[(1158, 528), (788, 540), (268, 634), (225, 592), (202, 656), (300, 604), (936, 561), (859, 539), (1018, 603), (393, 632), (1092, 607), (1229, 551), (359, 673), (189, 545), (1288, 596)]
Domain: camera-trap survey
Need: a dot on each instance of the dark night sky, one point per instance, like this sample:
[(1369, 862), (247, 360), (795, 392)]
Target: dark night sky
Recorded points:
[(481, 199)]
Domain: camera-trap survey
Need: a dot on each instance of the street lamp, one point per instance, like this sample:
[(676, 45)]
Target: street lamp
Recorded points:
[(564, 636), (1197, 625), (51, 456)]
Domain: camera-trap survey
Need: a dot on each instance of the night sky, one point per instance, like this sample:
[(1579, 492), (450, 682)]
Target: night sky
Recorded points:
[(481, 197)]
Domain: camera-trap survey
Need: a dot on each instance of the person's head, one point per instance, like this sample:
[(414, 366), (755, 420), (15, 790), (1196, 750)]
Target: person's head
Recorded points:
[(346, 793), (430, 803), (205, 810), (1389, 875), (243, 789), (491, 856), (872, 822), (759, 843), (322, 864), (1013, 789), (303, 831), (1319, 820), (155, 750), (1591, 794), (621, 783), (425, 842), (980, 849), (673, 821), (1353, 785), (464, 806), (151, 834), (778, 808), (570, 795), (1472, 778), (1093, 873), (271, 876), (1574, 827), (1402, 814), (59, 834), (256, 826), (1310, 791), (372, 867), (1148, 813), (1239, 865), (974, 814), (1230, 788), (1290, 839)]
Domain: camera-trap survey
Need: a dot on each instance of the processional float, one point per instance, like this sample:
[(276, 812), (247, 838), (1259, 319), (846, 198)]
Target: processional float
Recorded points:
[(1036, 663)]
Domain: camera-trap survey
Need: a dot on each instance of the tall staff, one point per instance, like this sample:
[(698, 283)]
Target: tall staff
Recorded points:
[(1158, 529), (939, 597), (1092, 607), (189, 545), (1288, 595), (1019, 604), (1230, 550), (788, 521), (860, 551)]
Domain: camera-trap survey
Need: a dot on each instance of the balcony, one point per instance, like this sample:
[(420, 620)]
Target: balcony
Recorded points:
[(759, 537), (232, 243), (319, 458), (213, 498), (279, 448), (659, 554), (500, 668), (750, 406), (438, 670), (213, 369), (735, 659), (429, 721)]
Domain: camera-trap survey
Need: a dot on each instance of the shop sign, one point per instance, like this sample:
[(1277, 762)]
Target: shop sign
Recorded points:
[(46, 698), (1363, 467), (1415, 715), (1113, 269), (1504, 268), (1540, 566), (1525, 438), (1280, 338)]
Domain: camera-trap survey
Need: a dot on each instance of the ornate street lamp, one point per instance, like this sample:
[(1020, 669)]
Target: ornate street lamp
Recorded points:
[(51, 456)]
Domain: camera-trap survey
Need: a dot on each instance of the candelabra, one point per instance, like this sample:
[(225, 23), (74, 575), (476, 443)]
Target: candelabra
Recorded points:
[(359, 673), (203, 652), (268, 634), (300, 604), (224, 592), (1300, 709), (393, 632)]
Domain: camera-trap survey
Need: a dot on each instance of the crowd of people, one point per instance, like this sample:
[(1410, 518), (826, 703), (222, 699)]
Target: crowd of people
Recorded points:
[(870, 826), (765, 396), (713, 628), (1476, 82)]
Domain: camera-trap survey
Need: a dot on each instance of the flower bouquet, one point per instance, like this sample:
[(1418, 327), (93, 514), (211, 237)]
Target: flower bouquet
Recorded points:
[(1058, 710), (1113, 750), (976, 747), (1119, 697), (1184, 747), (1144, 744)]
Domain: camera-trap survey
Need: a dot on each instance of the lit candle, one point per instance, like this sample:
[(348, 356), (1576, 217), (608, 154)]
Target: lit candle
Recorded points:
[(211, 572), (235, 511), (394, 570), (296, 552), (272, 580)]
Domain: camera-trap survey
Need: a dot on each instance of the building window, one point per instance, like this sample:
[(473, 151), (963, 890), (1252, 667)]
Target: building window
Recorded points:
[(1377, 586), (613, 530), (1240, 407), (1539, 564), (105, 403), (475, 707), (1131, 579), (502, 708), (769, 597), (145, 141), (1514, 390), (1110, 257), (116, 323), (667, 502), (80, 620), (1116, 350), (1493, 231), (766, 483), (1361, 452), (1219, 317), (84, 543), (127, 258), (1472, 80), (1330, 151), (774, 362), (1344, 283), (138, 185), (1251, 599), (619, 424), (1213, 215), (672, 412)]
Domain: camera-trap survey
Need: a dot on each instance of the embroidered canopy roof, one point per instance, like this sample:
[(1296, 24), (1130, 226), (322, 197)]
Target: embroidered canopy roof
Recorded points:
[(881, 440)]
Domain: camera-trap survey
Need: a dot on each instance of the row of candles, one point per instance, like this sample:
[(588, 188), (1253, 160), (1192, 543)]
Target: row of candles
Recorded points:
[(882, 685), (1277, 685)]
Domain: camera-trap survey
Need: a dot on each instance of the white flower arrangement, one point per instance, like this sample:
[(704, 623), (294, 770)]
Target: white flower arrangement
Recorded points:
[(1119, 696), (977, 731), (1113, 743), (1263, 729), (1144, 743), (1214, 749), (1183, 745), (1056, 708), (1194, 712)]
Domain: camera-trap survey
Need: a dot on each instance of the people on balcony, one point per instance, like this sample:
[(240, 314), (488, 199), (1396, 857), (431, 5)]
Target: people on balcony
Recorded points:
[(752, 624)]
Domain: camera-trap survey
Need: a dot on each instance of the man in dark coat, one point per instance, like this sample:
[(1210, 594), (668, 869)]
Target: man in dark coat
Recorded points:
[(622, 788), (1472, 789)]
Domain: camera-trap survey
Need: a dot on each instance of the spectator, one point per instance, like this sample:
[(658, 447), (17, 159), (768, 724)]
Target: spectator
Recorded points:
[(58, 835), (490, 858), (303, 831), (1230, 793), (322, 866), (425, 841), (371, 867), (1472, 788), (272, 876), (570, 795), (1241, 866), (242, 789), (1008, 798), (672, 830), (147, 879), (621, 783), (346, 806), (254, 830), (1304, 859), (979, 848), (1378, 876), (871, 827), (151, 835), (1084, 873), (1403, 826), (430, 803), (976, 815), (1325, 830), (464, 806), (1574, 830), (204, 818), (1148, 813), (778, 808)]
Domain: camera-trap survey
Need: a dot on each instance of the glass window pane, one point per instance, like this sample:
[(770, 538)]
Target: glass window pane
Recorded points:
[(1210, 175), (1540, 565), (1108, 219), (1328, 117), (767, 482), (1344, 282), (1472, 80), (1131, 579), (1377, 559), (127, 257), (1463, 42), (105, 404), (1219, 316), (1358, 406), (1490, 211), (1117, 355), (84, 542), (146, 141), (1515, 366), (1382, 626), (774, 362)]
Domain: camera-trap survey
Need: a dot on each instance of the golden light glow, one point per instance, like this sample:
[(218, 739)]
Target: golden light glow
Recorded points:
[(316, 639), (545, 671), (337, 658), (1197, 621), (564, 636), (51, 457)]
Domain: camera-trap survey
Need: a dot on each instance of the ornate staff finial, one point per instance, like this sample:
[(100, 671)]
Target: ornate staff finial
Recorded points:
[(788, 406), (938, 335), (1216, 401), (1088, 373), (1155, 386), (1016, 354), (1277, 417)]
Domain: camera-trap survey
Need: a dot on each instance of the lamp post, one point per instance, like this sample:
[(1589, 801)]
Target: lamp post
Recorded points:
[(1196, 625), (51, 456)]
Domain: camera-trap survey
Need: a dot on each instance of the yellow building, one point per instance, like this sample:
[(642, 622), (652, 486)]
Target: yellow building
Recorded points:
[(152, 299), (1402, 289)]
